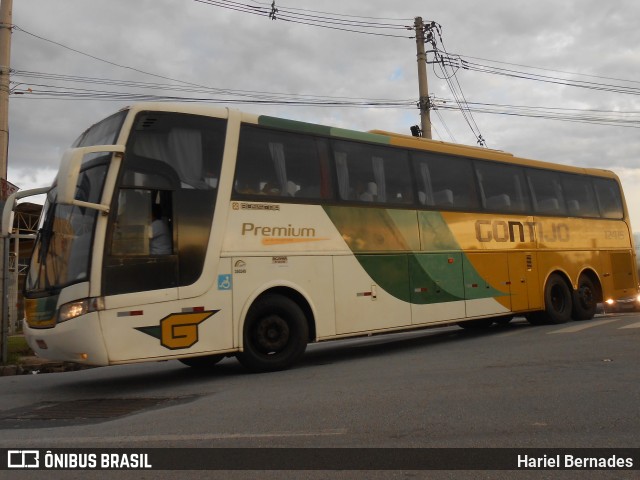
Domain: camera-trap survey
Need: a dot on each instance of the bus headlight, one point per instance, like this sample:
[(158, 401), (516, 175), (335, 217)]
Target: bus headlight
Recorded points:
[(80, 307)]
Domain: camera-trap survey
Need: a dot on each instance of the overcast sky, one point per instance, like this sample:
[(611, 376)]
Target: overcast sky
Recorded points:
[(588, 41)]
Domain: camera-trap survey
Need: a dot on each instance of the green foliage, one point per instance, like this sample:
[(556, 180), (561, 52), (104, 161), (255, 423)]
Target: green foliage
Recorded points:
[(17, 348)]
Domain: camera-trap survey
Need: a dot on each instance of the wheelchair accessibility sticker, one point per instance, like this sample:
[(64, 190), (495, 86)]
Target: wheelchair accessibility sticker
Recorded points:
[(224, 282)]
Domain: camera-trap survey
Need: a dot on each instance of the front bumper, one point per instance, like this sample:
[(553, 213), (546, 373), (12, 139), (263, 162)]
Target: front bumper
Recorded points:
[(78, 340)]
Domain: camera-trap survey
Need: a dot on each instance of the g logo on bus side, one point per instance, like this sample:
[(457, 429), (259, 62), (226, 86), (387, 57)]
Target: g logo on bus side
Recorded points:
[(178, 330)]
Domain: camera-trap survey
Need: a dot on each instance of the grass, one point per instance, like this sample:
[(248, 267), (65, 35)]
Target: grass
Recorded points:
[(17, 347)]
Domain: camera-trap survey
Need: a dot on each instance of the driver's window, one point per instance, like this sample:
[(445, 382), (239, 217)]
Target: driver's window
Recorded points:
[(133, 224), (143, 225), (142, 246)]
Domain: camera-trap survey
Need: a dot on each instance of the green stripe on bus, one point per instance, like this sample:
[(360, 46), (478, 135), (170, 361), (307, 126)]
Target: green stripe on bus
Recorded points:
[(292, 125), (387, 245), (362, 136)]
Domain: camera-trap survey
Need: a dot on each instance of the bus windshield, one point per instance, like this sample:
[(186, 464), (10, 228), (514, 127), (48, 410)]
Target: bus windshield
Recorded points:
[(62, 250)]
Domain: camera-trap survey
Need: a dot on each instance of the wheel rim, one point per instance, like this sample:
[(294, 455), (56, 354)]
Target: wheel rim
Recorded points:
[(558, 300), (586, 296), (271, 334)]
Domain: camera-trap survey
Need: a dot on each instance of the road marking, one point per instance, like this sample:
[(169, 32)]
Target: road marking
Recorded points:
[(172, 437), (583, 326), (633, 325)]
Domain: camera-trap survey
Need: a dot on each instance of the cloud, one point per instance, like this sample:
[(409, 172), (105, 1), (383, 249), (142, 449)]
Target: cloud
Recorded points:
[(206, 45)]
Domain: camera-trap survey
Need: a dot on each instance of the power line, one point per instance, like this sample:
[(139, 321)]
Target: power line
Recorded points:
[(19, 29), (629, 119), (459, 62), (547, 69), (450, 66), (249, 95), (339, 14), (330, 21), (450, 76), (43, 90)]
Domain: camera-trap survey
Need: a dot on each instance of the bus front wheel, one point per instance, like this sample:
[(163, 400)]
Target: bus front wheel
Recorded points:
[(275, 334), (557, 300)]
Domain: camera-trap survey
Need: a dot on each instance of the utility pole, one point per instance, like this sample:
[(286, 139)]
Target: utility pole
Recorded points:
[(6, 8), (5, 56), (425, 117)]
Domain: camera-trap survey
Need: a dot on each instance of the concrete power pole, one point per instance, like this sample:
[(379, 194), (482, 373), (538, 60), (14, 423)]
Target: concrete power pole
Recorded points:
[(425, 116), (5, 56), (6, 8)]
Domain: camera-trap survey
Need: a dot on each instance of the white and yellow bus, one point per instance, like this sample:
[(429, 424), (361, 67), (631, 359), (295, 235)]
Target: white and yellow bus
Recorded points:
[(193, 233)]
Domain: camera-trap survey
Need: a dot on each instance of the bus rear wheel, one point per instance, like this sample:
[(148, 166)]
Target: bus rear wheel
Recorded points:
[(275, 334), (585, 300)]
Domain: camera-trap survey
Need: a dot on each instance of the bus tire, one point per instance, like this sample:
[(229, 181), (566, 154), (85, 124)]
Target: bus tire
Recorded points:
[(585, 300), (204, 362), (557, 300), (275, 334)]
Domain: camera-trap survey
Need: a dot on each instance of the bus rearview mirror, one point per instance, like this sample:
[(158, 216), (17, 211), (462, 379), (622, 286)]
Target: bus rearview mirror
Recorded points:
[(70, 172)]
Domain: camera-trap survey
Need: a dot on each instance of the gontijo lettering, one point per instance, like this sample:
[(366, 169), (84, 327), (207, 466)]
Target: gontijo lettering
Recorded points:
[(510, 231)]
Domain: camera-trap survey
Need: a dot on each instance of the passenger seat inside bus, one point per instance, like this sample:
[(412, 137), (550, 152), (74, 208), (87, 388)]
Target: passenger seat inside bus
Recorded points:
[(292, 188), (370, 194), (498, 202), (549, 205), (443, 198), (574, 207)]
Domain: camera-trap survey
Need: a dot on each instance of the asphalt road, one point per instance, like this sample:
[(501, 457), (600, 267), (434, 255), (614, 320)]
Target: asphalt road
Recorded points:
[(558, 386)]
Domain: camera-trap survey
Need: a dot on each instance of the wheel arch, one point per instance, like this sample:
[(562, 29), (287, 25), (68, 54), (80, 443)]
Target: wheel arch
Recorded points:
[(286, 290), (591, 274), (563, 274)]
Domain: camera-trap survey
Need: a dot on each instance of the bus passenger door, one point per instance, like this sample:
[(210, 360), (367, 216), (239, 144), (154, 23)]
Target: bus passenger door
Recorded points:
[(523, 282)]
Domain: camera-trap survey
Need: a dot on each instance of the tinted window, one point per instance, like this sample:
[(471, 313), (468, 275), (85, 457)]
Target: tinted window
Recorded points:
[(102, 133), (170, 174), (445, 182), (579, 195), (281, 164), (369, 173), (608, 196), (62, 253), (502, 187), (547, 193)]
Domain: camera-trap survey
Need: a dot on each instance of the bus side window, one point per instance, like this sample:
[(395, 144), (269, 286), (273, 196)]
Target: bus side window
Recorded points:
[(502, 187), (547, 193), (280, 164), (608, 196), (445, 181), (372, 174), (397, 175), (580, 196)]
